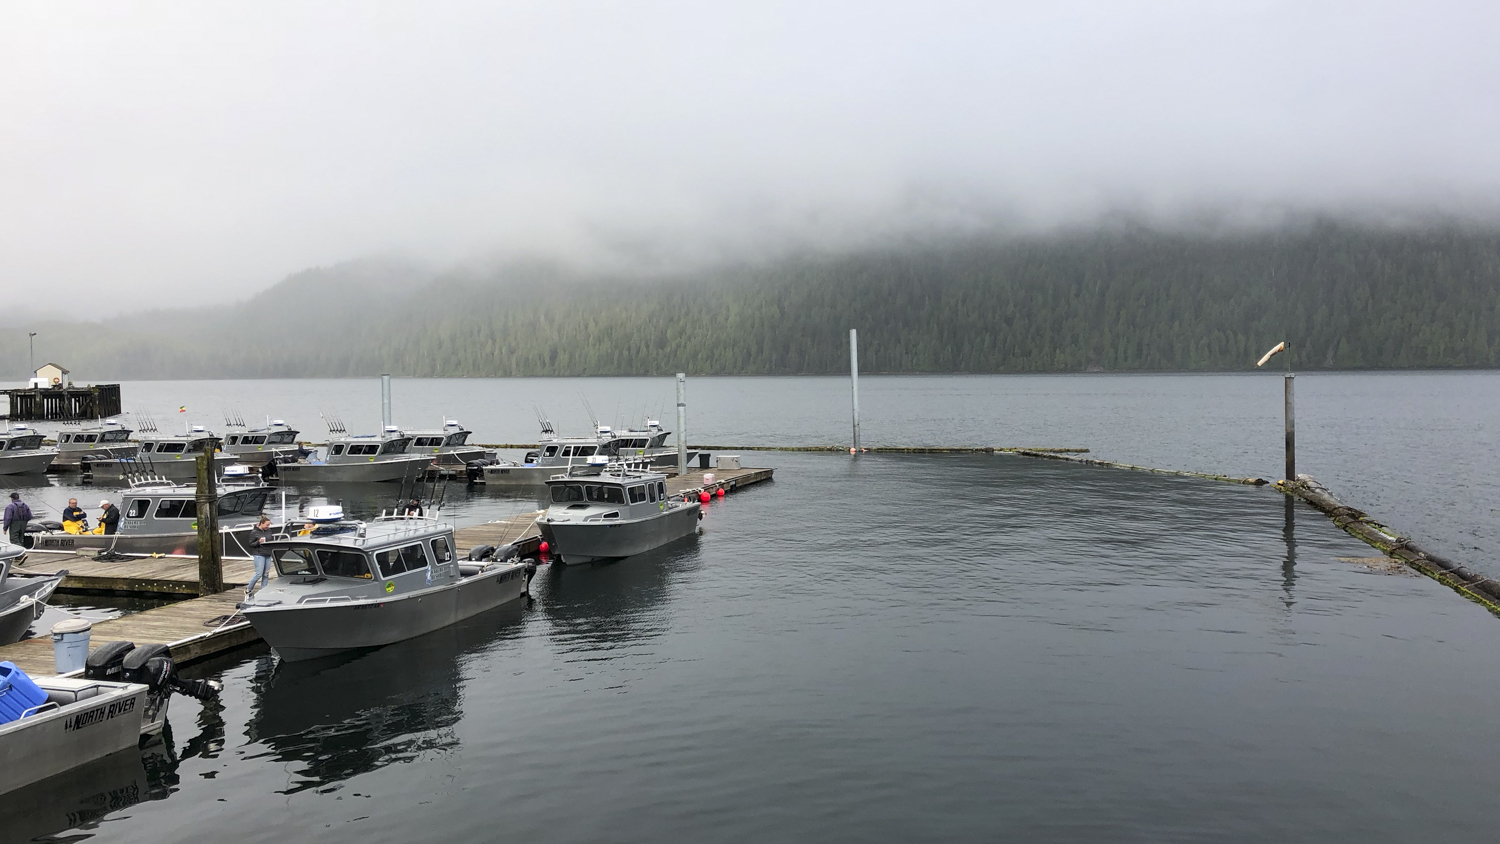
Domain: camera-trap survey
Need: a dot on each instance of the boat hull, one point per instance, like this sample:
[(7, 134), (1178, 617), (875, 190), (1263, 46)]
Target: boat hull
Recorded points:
[(585, 542), (308, 631), (180, 544), (77, 459), (179, 468), (373, 472), (25, 462), (50, 743)]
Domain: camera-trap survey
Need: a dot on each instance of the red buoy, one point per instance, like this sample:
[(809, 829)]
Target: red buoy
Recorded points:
[(720, 493), (543, 547), (703, 496)]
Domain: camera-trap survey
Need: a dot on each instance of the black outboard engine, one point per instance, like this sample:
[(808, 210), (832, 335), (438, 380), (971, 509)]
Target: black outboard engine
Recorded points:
[(480, 553), (530, 573), (107, 662), (474, 470), (269, 471), (152, 666)]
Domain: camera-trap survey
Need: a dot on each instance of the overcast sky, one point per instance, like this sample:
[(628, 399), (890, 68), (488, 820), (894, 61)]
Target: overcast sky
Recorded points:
[(151, 150)]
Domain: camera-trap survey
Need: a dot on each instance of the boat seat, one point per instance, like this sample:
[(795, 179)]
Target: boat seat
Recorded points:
[(469, 569), (63, 691)]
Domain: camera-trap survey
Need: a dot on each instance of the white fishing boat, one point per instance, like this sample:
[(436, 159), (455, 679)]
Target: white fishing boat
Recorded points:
[(22, 453), (79, 445), (622, 511)]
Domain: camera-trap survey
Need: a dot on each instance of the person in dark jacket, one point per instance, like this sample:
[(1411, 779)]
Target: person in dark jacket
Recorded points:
[(17, 514), (110, 518), (259, 536), (414, 508), (73, 513)]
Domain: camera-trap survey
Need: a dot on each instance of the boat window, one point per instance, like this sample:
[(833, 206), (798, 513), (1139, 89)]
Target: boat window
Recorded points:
[(170, 448), (395, 446), (440, 550), (457, 439), (114, 436), (247, 503), (65, 438), (390, 562), (661, 490), (88, 438), (583, 451), (147, 447), (614, 495), (341, 563), (197, 446), (177, 508), (613, 514), (337, 450), (234, 439), (562, 493), (651, 492), (413, 557), (281, 437), (567, 451), (427, 442), (364, 449), (258, 439), (637, 494), (138, 508), (292, 562), (22, 443), (549, 451)]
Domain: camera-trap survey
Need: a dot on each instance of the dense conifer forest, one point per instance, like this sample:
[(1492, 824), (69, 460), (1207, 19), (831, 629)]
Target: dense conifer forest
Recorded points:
[(1346, 297)]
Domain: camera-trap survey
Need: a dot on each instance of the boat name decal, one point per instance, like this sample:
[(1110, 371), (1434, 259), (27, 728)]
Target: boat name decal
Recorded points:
[(99, 713)]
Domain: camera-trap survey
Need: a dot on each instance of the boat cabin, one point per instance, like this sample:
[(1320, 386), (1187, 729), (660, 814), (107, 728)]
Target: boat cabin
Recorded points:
[(616, 493), (332, 560), (451, 436), (362, 448), (108, 434), (195, 441), (250, 440), (152, 507), (21, 438), (566, 451)]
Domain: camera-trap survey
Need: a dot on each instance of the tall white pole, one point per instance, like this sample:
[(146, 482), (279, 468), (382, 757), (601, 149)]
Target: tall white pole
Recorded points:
[(681, 423), (854, 381), (385, 403)]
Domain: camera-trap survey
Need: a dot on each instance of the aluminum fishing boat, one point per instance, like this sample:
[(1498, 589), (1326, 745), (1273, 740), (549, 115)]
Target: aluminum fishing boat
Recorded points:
[(80, 445), (359, 458), (553, 454), (159, 516), (343, 585), (276, 442), (622, 511), (170, 456), (649, 445), (22, 597), (21, 451), (448, 448)]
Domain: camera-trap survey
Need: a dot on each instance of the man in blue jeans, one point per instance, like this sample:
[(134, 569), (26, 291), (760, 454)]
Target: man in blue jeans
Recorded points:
[(259, 536)]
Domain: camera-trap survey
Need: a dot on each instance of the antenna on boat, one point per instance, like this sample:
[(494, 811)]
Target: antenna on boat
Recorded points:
[(593, 418)]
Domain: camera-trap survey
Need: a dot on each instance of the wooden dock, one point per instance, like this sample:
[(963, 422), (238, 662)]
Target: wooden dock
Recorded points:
[(203, 627)]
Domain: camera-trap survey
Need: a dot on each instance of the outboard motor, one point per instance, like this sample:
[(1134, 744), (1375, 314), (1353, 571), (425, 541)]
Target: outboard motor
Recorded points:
[(152, 666), (474, 470), (107, 662), (532, 457), (480, 553), (530, 573)]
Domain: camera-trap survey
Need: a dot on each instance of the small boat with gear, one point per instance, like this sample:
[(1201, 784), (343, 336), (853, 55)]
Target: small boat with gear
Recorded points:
[(621, 511), (162, 455), (343, 585), (22, 453), (22, 597), (79, 445)]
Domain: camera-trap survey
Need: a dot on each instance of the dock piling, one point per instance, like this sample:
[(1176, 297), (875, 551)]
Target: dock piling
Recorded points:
[(385, 402), (1291, 427), (681, 423), (854, 381), (210, 554)]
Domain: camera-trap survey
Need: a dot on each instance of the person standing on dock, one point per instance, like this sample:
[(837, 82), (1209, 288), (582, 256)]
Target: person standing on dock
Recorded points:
[(110, 518), (259, 536), (17, 514)]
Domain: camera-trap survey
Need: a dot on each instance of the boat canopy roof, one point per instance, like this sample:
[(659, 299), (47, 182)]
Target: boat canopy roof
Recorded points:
[(367, 536)]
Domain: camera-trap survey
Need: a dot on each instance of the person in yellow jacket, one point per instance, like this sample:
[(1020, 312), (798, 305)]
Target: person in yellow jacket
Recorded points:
[(74, 519)]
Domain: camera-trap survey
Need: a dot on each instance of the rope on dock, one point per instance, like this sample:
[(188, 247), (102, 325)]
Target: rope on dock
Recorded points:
[(1467, 582)]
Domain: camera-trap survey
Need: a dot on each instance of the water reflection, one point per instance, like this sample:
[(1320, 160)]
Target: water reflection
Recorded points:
[(346, 715), (606, 606), (1289, 561)]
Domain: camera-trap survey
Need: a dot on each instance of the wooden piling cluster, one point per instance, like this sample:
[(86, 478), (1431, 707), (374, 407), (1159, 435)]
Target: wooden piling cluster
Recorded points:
[(97, 401), (1358, 524)]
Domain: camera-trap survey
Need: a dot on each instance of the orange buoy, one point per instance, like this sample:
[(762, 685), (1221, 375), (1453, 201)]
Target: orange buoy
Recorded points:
[(703, 497)]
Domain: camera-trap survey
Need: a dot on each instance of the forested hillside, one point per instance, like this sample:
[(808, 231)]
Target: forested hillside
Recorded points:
[(1345, 297)]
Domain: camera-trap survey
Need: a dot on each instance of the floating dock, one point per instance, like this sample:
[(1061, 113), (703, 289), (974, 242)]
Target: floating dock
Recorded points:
[(205, 626)]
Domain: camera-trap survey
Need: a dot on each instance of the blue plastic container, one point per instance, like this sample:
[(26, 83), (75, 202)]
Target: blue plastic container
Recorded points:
[(17, 693)]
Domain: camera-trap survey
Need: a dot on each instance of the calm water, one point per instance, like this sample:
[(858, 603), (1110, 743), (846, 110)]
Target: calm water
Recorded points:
[(959, 648)]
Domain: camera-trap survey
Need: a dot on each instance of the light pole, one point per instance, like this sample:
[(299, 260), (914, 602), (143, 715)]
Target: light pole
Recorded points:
[(31, 341), (1290, 417)]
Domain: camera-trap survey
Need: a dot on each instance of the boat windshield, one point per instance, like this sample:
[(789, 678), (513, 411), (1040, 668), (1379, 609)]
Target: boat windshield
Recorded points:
[(604, 494), (337, 562), (457, 439), (114, 436), (294, 562), (562, 493), (395, 446), (23, 443), (281, 437)]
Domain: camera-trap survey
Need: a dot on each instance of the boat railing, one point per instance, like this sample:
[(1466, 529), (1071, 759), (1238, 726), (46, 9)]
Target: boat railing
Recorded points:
[(326, 599)]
